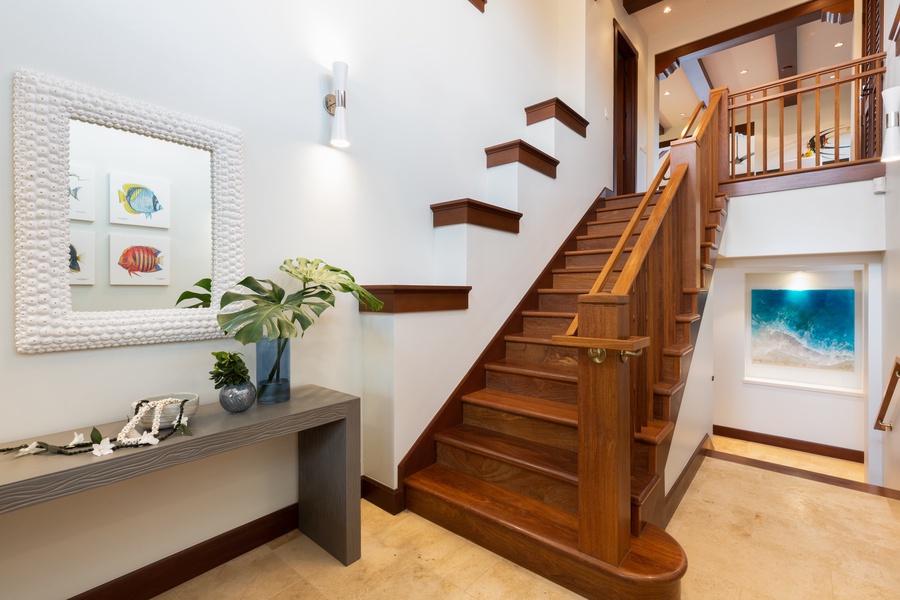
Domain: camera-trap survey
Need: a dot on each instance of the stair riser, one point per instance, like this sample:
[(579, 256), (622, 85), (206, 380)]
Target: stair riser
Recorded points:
[(595, 260), (617, 214), (617, 228), (582, 280), (558, 302), (543, 559), (631, 202), (551, 491), (533, 386), (526, 428), (603, 243), (543, 353), (545, 325)]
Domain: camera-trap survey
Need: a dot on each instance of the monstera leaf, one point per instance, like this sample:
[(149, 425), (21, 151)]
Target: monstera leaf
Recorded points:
[(272, 313), (203, 298), (334, 278)]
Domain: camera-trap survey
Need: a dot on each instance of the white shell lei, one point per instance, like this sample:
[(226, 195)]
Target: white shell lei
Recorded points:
[(157, 406)]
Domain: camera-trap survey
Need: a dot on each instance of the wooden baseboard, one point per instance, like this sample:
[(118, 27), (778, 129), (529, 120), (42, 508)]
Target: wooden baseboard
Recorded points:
[(790, 444), (172, 571), (385, 498), (680, 488)]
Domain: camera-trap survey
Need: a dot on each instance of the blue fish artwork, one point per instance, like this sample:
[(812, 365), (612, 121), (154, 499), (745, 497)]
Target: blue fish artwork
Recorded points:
[(74, 259), (138, 199), (73, 191)]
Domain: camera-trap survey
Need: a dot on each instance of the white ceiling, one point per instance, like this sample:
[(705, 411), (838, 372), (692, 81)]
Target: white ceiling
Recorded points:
[(815, 49)]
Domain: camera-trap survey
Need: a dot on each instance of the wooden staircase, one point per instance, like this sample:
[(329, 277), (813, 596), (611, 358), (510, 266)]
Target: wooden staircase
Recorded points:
[(557, 460)]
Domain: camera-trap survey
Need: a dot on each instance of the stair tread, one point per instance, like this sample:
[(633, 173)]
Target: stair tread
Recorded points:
[(564, 373), (623, 221), (594, 251), (589, 269), (562, 413), (600, 236), (548, 313), (495, 503), (534, 456), (563, 290), (642, 483), (654, 432)]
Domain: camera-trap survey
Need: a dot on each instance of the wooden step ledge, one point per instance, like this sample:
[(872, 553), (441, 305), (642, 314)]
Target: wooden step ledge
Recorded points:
[(479, 4), (419, 298), (554, 108), (473, 212), (521, 152)]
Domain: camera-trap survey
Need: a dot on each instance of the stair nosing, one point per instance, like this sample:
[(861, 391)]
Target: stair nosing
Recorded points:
[(520, 410)]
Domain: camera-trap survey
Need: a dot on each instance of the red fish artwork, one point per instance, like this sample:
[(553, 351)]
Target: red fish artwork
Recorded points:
[(141, 259)]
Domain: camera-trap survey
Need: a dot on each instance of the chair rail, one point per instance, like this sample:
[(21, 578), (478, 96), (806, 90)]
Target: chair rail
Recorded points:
[(880, 425)]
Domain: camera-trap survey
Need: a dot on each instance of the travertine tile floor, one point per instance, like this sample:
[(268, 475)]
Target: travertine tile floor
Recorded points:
[(749, 534), (792, 458)]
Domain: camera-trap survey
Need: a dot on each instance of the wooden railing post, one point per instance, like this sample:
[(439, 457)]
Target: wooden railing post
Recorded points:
[(689, 214), (604, 432)]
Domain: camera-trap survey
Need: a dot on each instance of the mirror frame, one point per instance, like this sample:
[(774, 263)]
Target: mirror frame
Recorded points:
[(45, 321)]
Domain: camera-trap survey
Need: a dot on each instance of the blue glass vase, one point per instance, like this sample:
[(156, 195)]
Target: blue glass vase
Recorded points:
[(273, 370)]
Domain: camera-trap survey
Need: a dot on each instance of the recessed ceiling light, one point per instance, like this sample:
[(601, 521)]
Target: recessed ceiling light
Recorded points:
[(839, 44), (667, 10), (667, 94), (683, 115), (743, 71)]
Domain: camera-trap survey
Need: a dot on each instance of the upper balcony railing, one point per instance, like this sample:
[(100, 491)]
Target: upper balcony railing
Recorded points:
[(824, 117)]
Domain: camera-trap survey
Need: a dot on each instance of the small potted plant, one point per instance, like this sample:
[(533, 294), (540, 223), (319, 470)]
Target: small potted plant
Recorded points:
[(232, 378), (268, 316)]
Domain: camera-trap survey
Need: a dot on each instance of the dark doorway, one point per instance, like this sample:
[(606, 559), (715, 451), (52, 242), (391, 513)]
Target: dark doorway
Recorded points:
[(625, 113)]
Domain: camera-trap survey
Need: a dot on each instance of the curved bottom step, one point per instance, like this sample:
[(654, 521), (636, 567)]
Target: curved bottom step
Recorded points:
[(544, 539)]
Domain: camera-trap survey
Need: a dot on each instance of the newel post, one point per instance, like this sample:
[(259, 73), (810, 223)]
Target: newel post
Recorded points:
[(688, 205), (604, 432)]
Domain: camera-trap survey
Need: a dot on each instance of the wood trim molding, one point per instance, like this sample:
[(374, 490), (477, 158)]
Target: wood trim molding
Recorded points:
[(167, 573), (554, 108), (479, 4), (869, 168), (681, 485), (790, 444), (419, 298), (473, 212), (522, 152), (847, 484), (385, 498), (667, 62)]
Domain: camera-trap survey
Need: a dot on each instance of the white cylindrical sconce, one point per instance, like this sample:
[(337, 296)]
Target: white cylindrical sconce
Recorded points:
[(336, 104), (890, 149)]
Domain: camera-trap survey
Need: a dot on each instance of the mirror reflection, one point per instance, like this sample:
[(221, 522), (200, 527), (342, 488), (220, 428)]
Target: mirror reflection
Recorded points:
[(140, 213)]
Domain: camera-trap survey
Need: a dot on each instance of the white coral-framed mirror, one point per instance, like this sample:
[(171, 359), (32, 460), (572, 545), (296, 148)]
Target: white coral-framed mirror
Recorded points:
[(43, 108)]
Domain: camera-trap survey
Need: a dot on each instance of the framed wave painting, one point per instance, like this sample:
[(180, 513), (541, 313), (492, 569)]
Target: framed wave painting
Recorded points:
[(807, 335)]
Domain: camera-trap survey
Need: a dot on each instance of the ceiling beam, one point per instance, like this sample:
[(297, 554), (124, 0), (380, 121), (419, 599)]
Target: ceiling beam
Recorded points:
[(698, 78), (786, 60), (667, 62), (632, 6)]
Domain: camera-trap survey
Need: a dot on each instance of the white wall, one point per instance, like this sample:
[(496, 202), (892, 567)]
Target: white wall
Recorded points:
[(816, 228), (891, 344), (430, 86)]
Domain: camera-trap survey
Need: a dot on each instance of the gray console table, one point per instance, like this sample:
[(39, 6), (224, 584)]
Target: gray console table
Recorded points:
[(327, 426)]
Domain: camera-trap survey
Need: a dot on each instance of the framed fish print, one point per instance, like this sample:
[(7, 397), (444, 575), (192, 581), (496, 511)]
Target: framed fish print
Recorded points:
[(139, 200), (805, 329), (82, 257), (139, 260), (82, 192)]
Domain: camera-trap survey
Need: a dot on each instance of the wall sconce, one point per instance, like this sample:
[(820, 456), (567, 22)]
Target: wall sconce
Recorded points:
[(336, 105), (890, 149)]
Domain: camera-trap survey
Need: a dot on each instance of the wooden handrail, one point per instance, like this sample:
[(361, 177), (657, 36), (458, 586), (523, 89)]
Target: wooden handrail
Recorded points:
[(750, 116), (642, 246), (638, 214), (880, 425), (832, 69)]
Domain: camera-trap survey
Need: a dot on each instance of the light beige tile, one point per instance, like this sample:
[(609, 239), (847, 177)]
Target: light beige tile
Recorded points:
[(851, 588), (256, 575), (700, 585), (508, 581), (414, 582)]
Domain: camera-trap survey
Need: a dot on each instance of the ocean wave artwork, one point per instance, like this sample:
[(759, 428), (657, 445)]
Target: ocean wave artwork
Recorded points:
[(813, 329)]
